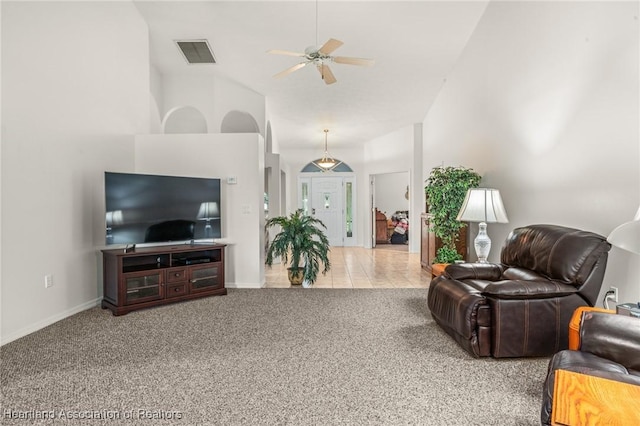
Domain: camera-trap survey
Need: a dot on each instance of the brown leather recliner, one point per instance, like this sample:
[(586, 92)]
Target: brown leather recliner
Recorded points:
[(522, 306), (609, 348)]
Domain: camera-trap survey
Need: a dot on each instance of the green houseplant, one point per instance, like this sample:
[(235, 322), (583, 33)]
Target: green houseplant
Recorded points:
[(446, 188), (302, 240)]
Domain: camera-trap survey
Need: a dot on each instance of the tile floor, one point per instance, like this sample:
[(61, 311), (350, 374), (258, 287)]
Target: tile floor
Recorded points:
[(357, 267)]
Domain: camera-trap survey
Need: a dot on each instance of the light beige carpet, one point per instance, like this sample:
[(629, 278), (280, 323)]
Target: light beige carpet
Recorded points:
[(266, 357)]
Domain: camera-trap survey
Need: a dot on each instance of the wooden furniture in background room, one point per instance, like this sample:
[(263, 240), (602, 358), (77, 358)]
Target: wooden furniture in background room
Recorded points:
[(381, 228), (429, 243)]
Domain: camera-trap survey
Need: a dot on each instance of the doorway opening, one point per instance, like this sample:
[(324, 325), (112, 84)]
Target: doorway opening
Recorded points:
[(390, 211)]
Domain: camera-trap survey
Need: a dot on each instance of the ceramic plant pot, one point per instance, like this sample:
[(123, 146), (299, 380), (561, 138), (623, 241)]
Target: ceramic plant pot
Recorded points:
[(295, 278)]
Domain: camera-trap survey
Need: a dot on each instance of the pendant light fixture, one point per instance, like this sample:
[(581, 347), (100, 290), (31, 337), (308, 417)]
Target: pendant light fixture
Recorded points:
[(327, 161)]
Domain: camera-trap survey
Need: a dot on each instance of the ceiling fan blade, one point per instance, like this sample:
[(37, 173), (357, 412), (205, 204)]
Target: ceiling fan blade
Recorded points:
[(353, 61), (331, 45), (290, 70), (285, 52), (326, 74)]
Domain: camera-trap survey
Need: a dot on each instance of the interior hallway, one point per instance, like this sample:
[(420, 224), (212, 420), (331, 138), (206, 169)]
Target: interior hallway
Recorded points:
[(357, 267)]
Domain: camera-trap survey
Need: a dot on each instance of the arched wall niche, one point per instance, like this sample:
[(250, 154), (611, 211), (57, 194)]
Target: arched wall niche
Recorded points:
[(184, 119), (239, 122)]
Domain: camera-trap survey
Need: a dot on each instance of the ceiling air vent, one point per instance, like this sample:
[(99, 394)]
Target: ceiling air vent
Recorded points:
[(196, 51)]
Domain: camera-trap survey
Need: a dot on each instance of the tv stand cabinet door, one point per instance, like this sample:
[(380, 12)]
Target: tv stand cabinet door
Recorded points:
[(207, 277), (139, 287)]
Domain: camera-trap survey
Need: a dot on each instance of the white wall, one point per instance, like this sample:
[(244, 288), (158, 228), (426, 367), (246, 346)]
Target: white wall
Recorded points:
[(544, 104), (230, 96), (390, 153), (197, 91), (156, 99), (390, 191), (274, 185), (220, 156), (75, 83)]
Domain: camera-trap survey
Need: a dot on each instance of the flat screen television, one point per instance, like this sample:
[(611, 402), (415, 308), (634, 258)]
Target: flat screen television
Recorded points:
[(143, 208)]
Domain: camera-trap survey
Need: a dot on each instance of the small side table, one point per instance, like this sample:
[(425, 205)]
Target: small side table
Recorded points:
[(574, 324)]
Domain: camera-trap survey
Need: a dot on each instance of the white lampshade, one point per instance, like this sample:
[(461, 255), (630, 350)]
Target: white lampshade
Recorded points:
[(627, 235), (208, 211), (482, 205), (114, 218)]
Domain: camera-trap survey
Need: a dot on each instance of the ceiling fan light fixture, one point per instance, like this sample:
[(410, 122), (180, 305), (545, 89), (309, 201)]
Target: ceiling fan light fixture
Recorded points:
[(321, 56)]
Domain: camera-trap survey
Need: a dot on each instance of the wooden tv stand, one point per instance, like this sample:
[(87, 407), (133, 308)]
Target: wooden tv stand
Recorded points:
[(153, 276)]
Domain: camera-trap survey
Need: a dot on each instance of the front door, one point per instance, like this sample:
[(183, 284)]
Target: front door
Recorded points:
[(326, 205), (331, 199)]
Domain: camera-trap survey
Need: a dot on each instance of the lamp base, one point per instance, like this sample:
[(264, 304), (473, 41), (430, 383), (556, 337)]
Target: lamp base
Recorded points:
[(482, 243)]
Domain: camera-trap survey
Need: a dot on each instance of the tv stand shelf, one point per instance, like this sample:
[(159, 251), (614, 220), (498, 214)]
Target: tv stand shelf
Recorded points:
[(152, 276)]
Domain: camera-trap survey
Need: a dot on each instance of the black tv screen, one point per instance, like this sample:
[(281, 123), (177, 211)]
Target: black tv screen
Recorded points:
[(143, 208)]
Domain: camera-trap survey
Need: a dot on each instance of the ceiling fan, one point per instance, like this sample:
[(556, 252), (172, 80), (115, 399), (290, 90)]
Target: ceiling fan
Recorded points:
[(320, 57)]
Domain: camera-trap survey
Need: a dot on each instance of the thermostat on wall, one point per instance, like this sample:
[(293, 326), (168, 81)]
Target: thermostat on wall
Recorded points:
[(232, 180)]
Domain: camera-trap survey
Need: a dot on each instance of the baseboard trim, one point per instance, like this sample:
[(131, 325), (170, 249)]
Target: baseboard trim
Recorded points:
[(244, 285), (48, 321)]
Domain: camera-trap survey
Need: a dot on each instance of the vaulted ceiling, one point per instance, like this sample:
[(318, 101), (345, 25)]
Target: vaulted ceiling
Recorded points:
[(415, 44)]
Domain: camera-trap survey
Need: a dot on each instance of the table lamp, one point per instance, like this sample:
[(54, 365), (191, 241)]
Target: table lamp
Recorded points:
[(483, 205), (627, 235), (113, 218), (208, 211)]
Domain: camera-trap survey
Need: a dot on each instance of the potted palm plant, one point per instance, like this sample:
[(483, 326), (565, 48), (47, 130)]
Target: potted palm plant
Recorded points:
[(302, 240)]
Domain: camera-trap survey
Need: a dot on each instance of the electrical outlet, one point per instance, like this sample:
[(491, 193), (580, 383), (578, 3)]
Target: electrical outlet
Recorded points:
[(614, 296), (48, 281)]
